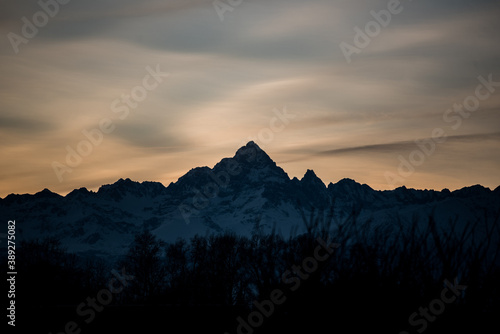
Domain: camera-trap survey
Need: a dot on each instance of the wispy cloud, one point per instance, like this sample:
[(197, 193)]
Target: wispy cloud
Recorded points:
[(392, 147)]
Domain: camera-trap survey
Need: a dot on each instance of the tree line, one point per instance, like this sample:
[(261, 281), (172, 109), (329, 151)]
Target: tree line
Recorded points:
[(376, 278)]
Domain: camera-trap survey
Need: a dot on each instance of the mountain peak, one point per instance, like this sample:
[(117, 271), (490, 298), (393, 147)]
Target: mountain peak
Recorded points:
[(122, 187), (311, 178), (78, 193), (252, 154), (347, 180), (309, 174), (351, 190), (251, 145), (46, 193), (122, 181)]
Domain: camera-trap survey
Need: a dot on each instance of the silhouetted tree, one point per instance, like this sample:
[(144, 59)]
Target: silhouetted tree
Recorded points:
[(224, 260), (177, 271), (144, 261)]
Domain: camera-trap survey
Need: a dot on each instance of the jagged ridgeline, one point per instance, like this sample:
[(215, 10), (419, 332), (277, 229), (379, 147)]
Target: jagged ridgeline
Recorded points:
[(245, 194)]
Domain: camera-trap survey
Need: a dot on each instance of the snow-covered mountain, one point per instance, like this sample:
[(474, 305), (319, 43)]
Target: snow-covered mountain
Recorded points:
[(247, 193)]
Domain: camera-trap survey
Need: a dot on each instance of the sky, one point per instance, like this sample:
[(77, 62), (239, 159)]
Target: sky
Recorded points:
[(388, 93)]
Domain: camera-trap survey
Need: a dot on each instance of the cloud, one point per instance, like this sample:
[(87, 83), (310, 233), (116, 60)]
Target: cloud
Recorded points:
[(149, 135), (24, 126), (393, 147)]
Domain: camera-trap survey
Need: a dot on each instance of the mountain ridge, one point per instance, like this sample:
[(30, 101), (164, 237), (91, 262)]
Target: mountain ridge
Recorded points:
[(244, 194), (253, 156)]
